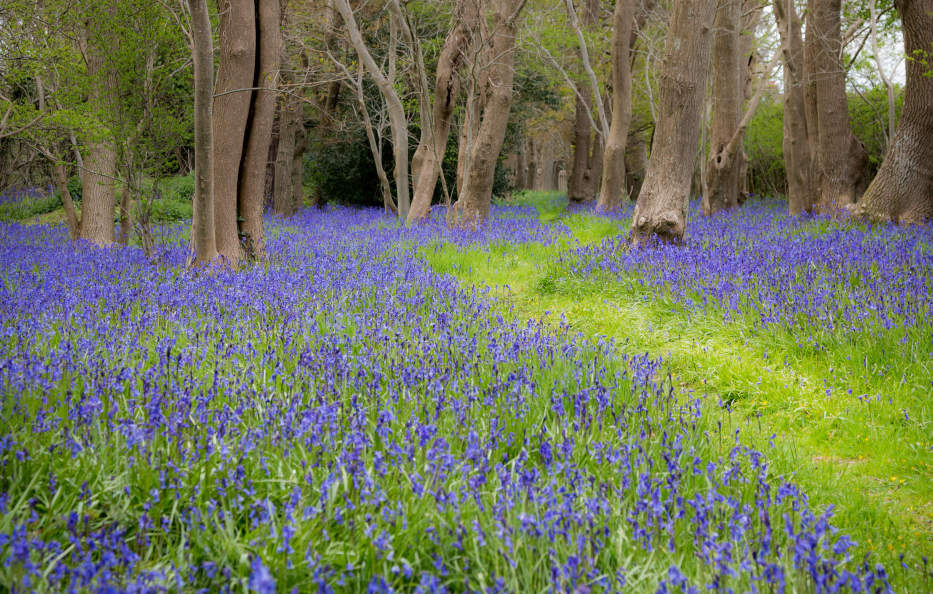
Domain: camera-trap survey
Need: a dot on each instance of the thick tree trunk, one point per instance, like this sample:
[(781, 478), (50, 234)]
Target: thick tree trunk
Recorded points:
[(446, 89), (98, 170), (97, 196), (235, 73), (721, 184), (842, 158), (661, 210), (472, 207), (259, 133), (612, 185), (202, 232), (796, 143), (902, 191)]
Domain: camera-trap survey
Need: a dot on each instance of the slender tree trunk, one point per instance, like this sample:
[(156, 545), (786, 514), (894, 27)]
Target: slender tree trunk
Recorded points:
[(446, 89), (612, 185), (268, 190), (472, 207), (876, 52), (662, 205), (126, 216), (202, 232), (426, 141), (842, 158), (397, 120), (298, 162), (582, 139), (721, 183), (903, 189), (283, 193), (71, 215), (235, 73), (796, 145), (636, 163)]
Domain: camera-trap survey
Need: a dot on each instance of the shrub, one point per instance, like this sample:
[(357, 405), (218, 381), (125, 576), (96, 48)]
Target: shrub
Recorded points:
[(30, 207)]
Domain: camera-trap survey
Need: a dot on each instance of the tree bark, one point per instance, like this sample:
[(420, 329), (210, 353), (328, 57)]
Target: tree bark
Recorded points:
[(661, 210), (259, 133), (636, 163), (397, 120), (98, 170), (578, 188), (796, 146), (842, 158), (902, 191), (612, 185), (233, 97), (202, 232), (446, 89), (298, 162), (472, 207), (721, 184), (71, 215), (283, 193), (587, 146)]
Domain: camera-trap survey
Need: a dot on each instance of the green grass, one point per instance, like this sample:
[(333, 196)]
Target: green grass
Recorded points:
[(870, 459)]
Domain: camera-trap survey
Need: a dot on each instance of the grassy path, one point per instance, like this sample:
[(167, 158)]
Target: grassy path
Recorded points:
[(851, 429)]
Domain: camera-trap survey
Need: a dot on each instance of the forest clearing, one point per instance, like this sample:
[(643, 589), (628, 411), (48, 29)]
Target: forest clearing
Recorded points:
[(466, 296)]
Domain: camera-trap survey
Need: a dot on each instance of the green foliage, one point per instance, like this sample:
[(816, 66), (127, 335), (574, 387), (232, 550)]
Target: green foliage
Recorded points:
[(178, 189), (764, 138), (341, 168), (170, 210), (852, 456), (868, 116), (32, 207), (764, 147)]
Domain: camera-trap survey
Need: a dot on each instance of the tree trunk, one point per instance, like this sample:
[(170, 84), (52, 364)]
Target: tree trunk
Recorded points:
[(721, 182), (588, 144), (202, 232), (268, 190), (259, 132), (237, 40), (636, 163), (842, 158), (612, 185), (582, 137), (298, 162), (472, 207), (71, 215), (662, 205), (97, 196), (795, 144), (446, 89), (397, 120), (902, 191), (283, 193), (99, 169)]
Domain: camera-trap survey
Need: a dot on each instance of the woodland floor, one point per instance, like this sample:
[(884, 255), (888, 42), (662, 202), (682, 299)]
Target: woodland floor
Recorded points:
[(849, 421), (531, 407)]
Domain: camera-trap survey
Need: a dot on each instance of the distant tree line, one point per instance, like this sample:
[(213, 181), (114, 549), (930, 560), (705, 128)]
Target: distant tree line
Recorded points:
[(424, 101)]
